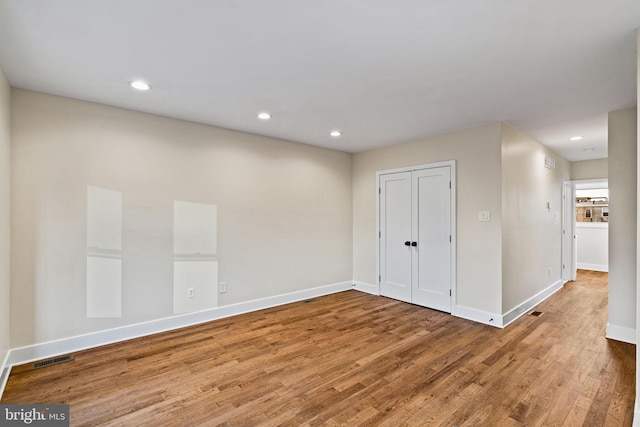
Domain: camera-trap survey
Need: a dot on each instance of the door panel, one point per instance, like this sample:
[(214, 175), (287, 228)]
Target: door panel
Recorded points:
[(431, 279), (395, 224)]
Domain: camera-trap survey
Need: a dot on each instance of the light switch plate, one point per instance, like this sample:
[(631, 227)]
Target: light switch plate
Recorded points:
[(484, 216)]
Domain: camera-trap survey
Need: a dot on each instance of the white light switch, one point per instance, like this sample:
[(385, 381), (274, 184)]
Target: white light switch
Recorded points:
[(484, 216)]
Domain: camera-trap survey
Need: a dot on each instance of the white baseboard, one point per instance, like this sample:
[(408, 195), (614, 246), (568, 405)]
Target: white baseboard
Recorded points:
[(366, 287), (49, 349), (621, 333), (5, 369), (519, 310), (593, 267), (480, 316)]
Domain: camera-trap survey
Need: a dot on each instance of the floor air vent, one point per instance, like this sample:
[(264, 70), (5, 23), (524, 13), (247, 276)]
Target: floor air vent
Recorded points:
[(536, 313), (53, 361), (307, 301)]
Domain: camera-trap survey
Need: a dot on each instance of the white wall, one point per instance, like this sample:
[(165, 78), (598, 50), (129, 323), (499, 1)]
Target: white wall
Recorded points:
[(477, 155), (622, 221), (590, 169), (5, 223), (531, 230), (284, 210), (592, 242)]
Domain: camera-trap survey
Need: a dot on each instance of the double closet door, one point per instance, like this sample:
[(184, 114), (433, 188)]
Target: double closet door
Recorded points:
[(416, 236)]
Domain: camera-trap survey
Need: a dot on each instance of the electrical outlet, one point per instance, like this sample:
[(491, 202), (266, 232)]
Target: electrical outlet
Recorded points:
[(222, 287), (191, 293)]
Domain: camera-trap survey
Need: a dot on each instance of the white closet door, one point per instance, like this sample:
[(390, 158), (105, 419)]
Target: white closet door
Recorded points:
[(431, 226), (395, 226), (415, 237)]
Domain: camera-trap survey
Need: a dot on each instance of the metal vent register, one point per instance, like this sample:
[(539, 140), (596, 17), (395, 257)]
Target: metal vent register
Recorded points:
[(53, 361)]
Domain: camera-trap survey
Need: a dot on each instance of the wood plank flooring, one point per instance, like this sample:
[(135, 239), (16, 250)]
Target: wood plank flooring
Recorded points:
[(356, 359)]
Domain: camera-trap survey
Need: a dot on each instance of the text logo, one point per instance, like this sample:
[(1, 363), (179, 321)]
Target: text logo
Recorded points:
[(34, 415)]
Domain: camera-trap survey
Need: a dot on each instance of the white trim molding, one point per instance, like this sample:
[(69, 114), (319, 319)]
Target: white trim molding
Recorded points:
[(593, 267), (491, 319), (621, 333), (366, 287), (504, 320), (5, 369), (49, 349), (513, 314)]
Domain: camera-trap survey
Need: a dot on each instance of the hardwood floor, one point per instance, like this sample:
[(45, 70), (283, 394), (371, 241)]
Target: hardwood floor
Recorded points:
[(355, 359)]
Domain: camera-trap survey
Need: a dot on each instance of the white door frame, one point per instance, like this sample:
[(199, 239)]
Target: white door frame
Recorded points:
[(568, 261), (583, 184), (452, 165)]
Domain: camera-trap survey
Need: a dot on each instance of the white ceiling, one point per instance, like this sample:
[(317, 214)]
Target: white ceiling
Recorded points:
[(382, 71)]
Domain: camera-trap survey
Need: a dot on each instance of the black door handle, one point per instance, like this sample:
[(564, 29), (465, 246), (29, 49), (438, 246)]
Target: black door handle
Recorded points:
[(407, 243), (414, 243)]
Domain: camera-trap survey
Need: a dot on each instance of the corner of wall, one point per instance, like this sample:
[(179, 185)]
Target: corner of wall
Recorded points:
[(531, 197), (491, 319)]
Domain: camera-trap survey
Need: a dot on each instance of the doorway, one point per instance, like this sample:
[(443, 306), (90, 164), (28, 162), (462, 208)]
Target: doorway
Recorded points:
[(585, 227), (592, 225)]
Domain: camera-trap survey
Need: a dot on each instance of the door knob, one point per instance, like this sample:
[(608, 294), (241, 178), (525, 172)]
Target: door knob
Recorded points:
[(414, 243), (407, 243)]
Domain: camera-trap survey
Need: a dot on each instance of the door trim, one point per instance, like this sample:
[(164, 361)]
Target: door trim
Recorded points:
[(568, 251), (454, 263)]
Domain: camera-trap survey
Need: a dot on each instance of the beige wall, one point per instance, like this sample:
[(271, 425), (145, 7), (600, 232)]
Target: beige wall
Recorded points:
[(477, 155), (622, 217), (291, 216), (5, 223), (531, 232), (590, 169), (284, 210)]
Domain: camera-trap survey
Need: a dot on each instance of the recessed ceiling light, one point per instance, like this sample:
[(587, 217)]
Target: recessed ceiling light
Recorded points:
[(264, 116), (140, 85), (588, 150), (335, 133), (576, 138)]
